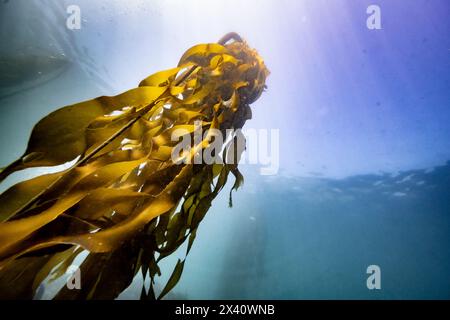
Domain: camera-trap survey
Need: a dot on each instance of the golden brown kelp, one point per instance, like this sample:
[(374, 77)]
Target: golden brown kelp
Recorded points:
[(125, 200)]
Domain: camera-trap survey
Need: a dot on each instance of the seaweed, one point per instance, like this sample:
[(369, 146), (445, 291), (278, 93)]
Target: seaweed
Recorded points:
[(125, 200)]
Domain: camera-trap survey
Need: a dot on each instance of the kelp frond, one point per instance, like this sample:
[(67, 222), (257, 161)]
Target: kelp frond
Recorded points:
[(124, 200)]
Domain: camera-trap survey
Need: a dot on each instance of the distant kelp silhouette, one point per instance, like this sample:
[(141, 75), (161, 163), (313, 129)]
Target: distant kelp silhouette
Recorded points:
[(125, 200)]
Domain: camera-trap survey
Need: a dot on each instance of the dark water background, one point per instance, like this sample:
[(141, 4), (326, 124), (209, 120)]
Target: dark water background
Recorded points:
[(313, 238)]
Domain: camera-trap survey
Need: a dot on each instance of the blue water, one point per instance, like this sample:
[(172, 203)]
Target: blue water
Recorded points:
[(364, 120), (313, 238)]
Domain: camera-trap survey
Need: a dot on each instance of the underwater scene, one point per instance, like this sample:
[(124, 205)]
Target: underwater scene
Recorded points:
[(339, 190)]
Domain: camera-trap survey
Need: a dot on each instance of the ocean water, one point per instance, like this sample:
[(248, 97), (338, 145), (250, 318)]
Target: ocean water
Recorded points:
[(313, 238), (364, 122)]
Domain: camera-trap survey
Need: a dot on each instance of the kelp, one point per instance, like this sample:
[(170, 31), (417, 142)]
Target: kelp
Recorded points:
[(124, 200)]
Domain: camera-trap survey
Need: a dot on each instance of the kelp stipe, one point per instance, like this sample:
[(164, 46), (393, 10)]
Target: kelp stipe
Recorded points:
[(124, 200)]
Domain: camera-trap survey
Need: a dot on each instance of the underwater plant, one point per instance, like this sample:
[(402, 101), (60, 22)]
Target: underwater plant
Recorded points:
[(125, 200)]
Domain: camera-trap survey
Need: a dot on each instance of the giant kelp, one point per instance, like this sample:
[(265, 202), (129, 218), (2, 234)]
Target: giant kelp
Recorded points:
[(125, 200)]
